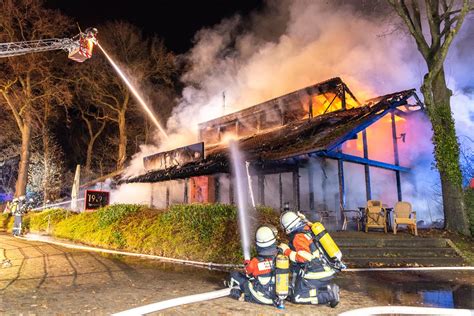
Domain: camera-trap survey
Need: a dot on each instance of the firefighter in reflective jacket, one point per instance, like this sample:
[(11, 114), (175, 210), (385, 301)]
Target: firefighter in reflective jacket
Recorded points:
[(257, 284), (311, 276)]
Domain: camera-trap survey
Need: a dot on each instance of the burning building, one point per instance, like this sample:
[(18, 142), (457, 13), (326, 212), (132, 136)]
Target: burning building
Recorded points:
[(319, 149)]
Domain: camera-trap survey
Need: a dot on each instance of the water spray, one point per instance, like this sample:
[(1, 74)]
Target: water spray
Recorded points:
[(239, 182), (249, 179), (135, 93)]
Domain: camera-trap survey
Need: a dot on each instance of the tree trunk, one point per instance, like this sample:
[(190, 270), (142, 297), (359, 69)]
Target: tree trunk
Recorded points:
[(122, 146), (437, 100), (90, 147), (20, 188), (46, 163)]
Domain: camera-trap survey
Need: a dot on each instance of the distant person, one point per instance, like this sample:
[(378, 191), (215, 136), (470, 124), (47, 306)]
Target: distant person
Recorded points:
[(257, 284), (15, 209), (311, 275)]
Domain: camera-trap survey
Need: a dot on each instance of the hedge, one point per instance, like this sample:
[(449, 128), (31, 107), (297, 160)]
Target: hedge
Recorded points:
[(202, 232)]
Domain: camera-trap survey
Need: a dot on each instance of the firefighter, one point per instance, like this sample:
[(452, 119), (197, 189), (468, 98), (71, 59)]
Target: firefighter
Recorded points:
[(16, 211), (257, 284), (311, 275)]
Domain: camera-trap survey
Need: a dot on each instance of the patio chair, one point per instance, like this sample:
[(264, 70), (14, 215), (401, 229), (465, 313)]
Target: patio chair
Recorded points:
[(375, 216), (403, 214), (374, 203)]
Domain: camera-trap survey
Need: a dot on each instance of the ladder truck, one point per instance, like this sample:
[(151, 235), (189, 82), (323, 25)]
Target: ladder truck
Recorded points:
[(79, 47)]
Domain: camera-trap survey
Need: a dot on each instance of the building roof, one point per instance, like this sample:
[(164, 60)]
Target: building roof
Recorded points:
[(322, 133), (335, 85)]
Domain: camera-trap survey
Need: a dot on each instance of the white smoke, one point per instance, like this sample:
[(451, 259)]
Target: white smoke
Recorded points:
[(319, 42), (311, 41), (293, 44)]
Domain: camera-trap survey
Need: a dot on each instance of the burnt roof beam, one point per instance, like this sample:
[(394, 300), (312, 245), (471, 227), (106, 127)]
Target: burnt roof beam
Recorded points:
[(348, 91), (393, 105), (361, 161)]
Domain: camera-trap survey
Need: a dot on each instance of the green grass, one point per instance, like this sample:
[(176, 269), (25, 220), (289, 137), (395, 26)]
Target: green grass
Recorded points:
[(46, 220), (202, 232), (5, 219), (465, 245)]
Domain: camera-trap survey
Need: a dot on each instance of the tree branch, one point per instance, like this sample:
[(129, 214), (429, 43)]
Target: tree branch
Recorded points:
[(439, 58), (16, 115), (432, 14), (402, 10)]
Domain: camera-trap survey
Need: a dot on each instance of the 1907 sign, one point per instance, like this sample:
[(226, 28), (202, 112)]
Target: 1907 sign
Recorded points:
[(96, 199)]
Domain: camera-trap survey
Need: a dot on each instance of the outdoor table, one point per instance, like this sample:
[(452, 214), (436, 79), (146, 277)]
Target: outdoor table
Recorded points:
[(388, 216), (362, 216), (359, 216)]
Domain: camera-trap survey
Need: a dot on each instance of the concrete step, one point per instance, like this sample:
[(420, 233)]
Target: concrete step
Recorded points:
[(391, 243), (378, 249), (421, 261), (401, 252)]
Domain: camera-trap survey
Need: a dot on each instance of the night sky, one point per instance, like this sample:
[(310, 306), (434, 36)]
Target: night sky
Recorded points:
[(175, 21)]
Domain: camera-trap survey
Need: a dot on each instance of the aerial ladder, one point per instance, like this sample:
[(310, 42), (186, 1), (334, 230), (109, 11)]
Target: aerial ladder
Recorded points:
[(79, 47)]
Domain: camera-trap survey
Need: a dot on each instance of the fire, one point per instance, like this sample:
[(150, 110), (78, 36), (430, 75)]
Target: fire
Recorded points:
[(388, 119), (377, 136), (329, 102), (228, 137)]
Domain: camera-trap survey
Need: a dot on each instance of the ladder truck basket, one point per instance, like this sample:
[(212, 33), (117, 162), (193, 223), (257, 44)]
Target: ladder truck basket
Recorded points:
[(84, 46)]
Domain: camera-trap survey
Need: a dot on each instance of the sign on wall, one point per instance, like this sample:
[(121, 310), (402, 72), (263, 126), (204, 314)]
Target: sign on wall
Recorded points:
[(175, 157), (95, 199)]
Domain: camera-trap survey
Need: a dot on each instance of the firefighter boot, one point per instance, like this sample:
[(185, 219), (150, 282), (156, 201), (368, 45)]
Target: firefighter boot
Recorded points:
[(333, 290), (237, 294)]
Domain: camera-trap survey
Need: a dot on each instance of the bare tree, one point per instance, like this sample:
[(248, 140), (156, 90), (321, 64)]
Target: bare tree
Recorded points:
[(27, 83), (46, 169), (145, 60), (95, 122), (444, 19), (8, 174)]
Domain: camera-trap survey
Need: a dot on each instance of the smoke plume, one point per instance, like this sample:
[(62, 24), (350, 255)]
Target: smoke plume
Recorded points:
[(292, 44)]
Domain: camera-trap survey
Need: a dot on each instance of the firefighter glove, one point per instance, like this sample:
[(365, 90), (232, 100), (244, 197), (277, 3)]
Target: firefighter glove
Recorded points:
[(284, 249)]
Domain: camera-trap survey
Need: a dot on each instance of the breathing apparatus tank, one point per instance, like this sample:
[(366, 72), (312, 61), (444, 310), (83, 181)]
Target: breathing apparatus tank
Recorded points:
[(282, 269), (327, 243)]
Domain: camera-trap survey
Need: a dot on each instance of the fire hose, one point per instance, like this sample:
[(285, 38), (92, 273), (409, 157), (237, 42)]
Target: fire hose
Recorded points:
[(406, 310), (225, 292), (150, 308)]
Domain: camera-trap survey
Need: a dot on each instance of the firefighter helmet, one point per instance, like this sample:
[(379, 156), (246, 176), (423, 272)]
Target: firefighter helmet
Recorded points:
[(290, 221), (265, 236)]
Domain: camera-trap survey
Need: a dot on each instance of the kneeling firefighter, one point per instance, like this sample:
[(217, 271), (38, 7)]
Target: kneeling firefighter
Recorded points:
[(315, 260), (257, 284)]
